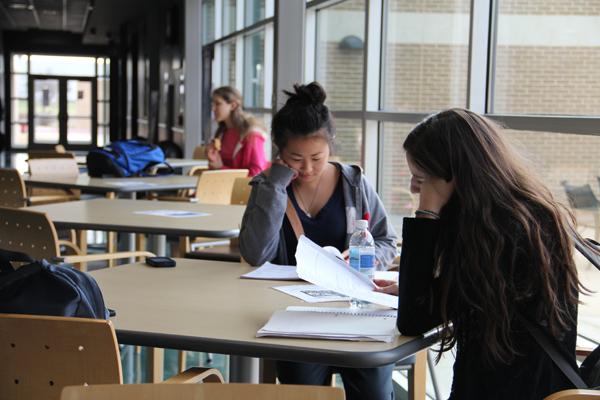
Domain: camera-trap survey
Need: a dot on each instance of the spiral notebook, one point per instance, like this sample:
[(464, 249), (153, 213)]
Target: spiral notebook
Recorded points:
[(332, 323)]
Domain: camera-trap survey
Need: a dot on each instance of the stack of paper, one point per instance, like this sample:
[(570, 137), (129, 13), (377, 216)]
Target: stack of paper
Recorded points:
[(332, 323)]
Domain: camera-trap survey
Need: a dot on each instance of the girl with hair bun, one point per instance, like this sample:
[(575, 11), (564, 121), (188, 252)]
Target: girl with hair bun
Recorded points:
[(239, 141), (303, 192)]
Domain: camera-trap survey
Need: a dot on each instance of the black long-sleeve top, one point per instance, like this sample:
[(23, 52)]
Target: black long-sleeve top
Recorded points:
[(531, 375)]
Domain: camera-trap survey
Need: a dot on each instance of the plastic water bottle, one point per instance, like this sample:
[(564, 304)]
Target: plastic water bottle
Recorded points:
[(362, 253)]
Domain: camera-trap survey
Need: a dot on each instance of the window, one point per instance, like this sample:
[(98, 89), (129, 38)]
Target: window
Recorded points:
[(426, 51), (229, 16), (339, 63), (208, 20), (19, 105), (254, 76), (228, 64), (255, 11), (348, 140), (546, 58)]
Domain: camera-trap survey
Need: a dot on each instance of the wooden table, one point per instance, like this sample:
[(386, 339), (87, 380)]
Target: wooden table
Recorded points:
[(120, 215), (204, 306)]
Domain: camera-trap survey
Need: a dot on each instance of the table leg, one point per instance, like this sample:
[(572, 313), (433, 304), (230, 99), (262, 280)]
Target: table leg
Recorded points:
[(158, 244), (417, 376), (155, 366), (243, 369)]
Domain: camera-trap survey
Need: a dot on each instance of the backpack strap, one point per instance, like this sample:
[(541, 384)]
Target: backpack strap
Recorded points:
[(292, 215), (551, 349)]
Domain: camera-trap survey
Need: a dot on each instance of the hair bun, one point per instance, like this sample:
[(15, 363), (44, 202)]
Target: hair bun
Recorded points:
[(311, 94)]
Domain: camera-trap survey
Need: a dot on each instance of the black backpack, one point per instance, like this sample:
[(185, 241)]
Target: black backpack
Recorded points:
[(588, 374), (41, 288)]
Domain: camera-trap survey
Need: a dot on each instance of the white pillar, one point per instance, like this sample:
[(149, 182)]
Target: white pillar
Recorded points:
[(289, 56), (193, 76)]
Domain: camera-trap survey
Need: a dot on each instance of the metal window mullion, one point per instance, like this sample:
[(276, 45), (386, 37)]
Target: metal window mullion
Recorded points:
[(493, 42), (255, 27), (479, 39), (239, 62), (311, 44), (268, 64)]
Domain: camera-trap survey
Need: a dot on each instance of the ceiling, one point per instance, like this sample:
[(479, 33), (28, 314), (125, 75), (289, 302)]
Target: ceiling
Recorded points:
[(98, 21)]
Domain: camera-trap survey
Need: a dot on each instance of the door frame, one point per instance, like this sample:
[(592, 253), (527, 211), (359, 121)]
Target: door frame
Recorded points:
[(62, 112)]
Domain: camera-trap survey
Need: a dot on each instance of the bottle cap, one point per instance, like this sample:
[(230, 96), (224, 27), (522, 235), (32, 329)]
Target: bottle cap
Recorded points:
[(362, 224)]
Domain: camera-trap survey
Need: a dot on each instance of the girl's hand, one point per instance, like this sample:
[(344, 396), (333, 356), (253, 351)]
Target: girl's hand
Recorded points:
[(385, 286), (281, 162), (214, 158), (435, 193)]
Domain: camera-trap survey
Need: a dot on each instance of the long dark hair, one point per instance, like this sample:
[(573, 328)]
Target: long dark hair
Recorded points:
[(499, 216), (304, 114), (241, 121)]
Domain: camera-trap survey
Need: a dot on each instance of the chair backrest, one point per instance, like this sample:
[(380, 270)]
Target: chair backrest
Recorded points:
[(53, 167), (575, 394), (215, 187), (205, 391), (44, 354), (58, 152), (241, 191), (29, 232), (199, 153), (12, 189), (580, 196)]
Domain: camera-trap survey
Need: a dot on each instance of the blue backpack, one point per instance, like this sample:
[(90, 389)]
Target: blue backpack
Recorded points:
[(40, 288), (124, 158)]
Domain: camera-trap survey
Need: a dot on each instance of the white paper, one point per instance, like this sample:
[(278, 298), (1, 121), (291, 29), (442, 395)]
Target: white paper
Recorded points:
[(273, 272), (173, 213), (386, 275), (320, 267), (312, 293), (332, 323)]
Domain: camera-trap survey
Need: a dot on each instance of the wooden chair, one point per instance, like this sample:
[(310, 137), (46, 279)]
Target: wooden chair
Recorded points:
[(13, 192), (574, 394), (231, 251), (55, 168), (199, 153), (33, 233), (207, 391), (44, 354)]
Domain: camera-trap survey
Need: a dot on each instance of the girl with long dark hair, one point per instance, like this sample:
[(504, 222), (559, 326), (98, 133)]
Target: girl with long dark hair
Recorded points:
[(488, 249)]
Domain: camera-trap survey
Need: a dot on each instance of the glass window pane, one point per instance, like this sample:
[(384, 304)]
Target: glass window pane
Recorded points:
[(79, 130), (20, 134), (208, 21), (426, 56), (348, 141), (101, 88), (19, 63), (255, 11), (45, 129), (229, 16), (395, 180), (254, 74), (265, 122), (19, 111), (62, 65), (100, 66), (79, 98), (46, 97), (228, 64), (340, 53), (19, 86), (103, 138), (547, 59)]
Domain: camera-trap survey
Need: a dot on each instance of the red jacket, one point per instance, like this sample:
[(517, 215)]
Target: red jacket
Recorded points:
[(249, 153)]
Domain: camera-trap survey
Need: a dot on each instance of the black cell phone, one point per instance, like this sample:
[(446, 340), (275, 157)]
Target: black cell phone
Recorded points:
[(160, 262)]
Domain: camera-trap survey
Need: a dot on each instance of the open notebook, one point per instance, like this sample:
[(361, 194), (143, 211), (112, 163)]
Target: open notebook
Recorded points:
[(332, 323)]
